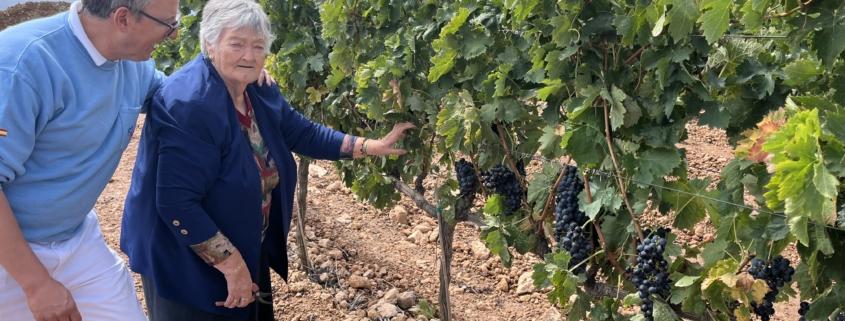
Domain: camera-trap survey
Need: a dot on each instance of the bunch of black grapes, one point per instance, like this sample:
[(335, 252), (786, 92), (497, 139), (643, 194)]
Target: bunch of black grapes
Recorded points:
[(500, 180), (569, 219), (802, 310), (840, 317), (776, 273), (467, 179), (651, 275)]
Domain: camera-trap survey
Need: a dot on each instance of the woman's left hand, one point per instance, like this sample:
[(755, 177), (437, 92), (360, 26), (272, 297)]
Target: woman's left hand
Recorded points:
[(384, 146), (264, 79)]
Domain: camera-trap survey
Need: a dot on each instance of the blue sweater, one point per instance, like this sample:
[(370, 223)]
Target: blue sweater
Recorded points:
[(195, 175), (68, 122)]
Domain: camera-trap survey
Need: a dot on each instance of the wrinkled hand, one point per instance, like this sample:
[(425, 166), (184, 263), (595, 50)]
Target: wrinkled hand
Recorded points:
[(51, 301), (238, 282), (264, 79), (384, 146)]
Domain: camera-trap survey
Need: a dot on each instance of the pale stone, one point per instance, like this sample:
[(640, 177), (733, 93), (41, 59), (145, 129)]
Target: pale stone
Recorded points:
[(525, 284), (390, 296), (479, 250), (432, 237), (502, 285), (399, 214), (387, 310), (406, 300), (360, 282)]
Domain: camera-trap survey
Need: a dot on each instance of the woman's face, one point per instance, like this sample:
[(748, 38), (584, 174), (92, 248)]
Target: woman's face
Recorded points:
[(239, 55)]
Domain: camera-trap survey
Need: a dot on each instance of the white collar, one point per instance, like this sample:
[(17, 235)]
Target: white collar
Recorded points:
[(79, 32)]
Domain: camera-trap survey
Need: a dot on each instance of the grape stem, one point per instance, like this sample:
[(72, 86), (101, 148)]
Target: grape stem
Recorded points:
[(744, 263)]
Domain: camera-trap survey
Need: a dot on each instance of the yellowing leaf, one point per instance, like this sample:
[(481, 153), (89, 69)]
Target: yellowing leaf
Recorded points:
[(724, 271)]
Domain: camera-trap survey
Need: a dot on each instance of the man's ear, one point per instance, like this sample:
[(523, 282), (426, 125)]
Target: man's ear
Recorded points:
[(120, 18)]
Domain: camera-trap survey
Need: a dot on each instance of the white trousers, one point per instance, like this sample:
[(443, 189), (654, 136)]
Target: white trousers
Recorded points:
[(96, 277)]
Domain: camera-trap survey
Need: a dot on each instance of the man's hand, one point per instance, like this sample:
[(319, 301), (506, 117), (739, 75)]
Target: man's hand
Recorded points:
[(51, 301), (265, 79)]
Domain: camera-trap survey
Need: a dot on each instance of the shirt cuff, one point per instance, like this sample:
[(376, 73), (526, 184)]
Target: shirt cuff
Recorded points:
[(214, 250)]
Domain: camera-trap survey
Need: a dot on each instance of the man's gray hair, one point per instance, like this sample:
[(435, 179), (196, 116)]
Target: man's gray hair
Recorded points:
[(218, 15), (103, 8)]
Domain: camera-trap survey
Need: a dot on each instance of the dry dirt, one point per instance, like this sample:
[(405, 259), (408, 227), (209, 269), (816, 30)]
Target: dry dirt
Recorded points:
[(364, 254)]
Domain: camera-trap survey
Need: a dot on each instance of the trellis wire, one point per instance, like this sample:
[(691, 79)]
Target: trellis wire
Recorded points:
[(610, 174)]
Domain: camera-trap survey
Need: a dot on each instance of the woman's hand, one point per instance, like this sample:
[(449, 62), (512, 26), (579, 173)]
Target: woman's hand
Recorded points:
[(238, 282), (384, 146)]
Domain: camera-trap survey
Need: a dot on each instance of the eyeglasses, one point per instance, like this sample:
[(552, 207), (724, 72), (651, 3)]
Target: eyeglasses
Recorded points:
[(171, 26)]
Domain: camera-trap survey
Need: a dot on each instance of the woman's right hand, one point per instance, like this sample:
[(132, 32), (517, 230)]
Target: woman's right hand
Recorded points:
[(238, 282)]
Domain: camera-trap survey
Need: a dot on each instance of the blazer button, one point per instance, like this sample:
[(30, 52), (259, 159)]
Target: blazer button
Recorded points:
[(176, 223), (183, 231)]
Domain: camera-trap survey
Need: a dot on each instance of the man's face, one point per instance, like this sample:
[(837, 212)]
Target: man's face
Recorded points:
[(150, 27)]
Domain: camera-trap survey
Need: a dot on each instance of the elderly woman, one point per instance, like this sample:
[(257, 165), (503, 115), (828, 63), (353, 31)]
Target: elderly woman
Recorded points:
[(209, 207)]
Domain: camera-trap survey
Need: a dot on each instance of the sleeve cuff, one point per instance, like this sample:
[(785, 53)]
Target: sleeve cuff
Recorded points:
[(214, 250)]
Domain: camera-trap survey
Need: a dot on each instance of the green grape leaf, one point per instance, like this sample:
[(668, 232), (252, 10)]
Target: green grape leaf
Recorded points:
[(616, 97), (579, 308), (442, 63), (829, 41), (663, 311), (457, 21), (801, 72), (716, 18), (498, 245), (550, 142), (724, 271), (658, 26), (540, 186), (553, 86), (826, 304), (801, 183), (656, 163), (686, 281), (692, 204), (494, 205), (475, 44), (714, 252)]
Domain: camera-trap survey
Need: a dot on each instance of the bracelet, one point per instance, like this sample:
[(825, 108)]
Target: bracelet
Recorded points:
[(364, 147)]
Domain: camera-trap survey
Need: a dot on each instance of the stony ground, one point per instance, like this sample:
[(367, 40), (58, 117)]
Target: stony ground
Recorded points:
[(383, 264)]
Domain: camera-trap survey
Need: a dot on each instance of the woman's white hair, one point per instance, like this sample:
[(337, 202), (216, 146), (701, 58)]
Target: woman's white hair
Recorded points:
[(219, 15)]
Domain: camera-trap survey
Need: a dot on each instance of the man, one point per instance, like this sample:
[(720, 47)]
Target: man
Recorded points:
[(71, 88)]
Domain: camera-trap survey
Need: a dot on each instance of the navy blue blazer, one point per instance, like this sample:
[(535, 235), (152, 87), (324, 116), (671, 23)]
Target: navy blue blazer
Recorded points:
[(195, 175)]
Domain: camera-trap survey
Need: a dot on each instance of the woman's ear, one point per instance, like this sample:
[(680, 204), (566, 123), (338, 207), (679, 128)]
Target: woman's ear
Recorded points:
[(210, 52)]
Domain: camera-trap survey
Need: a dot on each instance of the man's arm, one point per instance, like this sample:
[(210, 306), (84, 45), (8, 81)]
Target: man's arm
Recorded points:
[(21, 114), (47, 298)]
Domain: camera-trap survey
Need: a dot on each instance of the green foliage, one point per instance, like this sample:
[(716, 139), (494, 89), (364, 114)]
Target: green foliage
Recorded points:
[(503, 81)]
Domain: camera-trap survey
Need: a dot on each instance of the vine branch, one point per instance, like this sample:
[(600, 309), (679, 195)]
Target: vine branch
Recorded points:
[(622, 187), (429, 209), (801, 5), (509, 156), (609, 255), (551, 200)]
